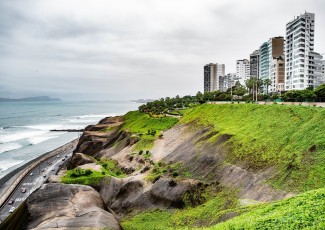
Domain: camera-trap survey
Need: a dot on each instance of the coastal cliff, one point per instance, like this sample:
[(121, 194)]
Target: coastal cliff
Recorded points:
[(202, 169)]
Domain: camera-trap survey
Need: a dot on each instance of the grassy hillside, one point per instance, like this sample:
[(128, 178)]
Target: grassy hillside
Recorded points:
[(291, 138), (305, 211), (146, 127)]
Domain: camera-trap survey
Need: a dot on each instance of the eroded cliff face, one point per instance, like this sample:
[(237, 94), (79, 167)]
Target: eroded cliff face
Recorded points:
[(187, 145), (201, 157), (60, 206)]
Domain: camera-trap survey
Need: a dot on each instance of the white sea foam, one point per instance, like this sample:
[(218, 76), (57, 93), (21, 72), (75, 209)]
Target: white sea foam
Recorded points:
[(38, 139), (6, 164), (9, 146), (18, 135), (87, 121), (96, 115), (43, 126)]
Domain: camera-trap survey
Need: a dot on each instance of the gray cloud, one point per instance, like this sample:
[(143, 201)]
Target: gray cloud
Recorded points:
[(128, 49)]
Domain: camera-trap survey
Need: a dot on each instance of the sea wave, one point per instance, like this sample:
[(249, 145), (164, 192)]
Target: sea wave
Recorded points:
[(46, 127), (96, 115), (9, 146), (18, 135), (39, 139), (88, 121), (6, 164)]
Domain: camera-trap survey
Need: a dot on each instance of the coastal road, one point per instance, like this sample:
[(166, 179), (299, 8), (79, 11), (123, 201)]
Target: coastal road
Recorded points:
[(34, 179)]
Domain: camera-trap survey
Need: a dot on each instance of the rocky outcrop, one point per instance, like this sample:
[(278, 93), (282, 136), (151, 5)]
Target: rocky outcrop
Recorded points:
[(58, 206), (134, 194), (79, 159), (105, 144)]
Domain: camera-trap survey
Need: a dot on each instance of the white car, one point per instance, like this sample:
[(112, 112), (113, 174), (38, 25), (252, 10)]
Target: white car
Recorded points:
[(12, 209)]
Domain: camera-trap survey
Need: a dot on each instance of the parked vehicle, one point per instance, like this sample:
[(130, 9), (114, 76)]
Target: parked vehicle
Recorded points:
[(12, 209), (23, 190)]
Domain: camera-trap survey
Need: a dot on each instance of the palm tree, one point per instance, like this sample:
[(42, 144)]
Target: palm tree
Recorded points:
[(267, 83)]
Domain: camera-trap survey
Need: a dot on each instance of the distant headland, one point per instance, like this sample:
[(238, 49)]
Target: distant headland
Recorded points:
[(39, 98), (143, 100)]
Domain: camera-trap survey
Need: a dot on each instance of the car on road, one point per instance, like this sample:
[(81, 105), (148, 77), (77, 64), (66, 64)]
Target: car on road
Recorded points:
[(49, 162), (53, 169), (58, 156), (63, 159), (42, 170), (31, 174), (23, 190), (11, 202), (44, 176), (12, 209)]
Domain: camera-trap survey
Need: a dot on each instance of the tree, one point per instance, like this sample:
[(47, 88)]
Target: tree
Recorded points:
[(267, 83), (320, 92)]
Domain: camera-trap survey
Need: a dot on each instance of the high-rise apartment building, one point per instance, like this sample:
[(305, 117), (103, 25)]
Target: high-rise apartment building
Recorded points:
[(315, 68), (226, 81), (323, 71), (271, 63), (277, 74), (264, 65), (242, 71), (269, 50), (299, 43), (212, 73), (254, 60)]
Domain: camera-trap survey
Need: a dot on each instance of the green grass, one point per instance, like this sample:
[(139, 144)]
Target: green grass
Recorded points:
[(189, 217), (305, 211), (72, 177), (169, 170), (92, 177), (292, 138), (139, 124)]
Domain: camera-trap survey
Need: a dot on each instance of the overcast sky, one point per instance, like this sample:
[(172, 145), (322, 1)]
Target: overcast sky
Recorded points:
[(131, 49)]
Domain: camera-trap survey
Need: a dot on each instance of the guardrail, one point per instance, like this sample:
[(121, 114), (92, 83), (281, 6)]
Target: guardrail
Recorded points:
[(26, 168)]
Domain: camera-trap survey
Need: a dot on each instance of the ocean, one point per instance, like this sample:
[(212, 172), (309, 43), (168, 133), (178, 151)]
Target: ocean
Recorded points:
[(25, 126)]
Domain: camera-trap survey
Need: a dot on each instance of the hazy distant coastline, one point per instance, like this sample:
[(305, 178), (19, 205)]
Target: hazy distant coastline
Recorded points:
[(39, 98), (143, 100)]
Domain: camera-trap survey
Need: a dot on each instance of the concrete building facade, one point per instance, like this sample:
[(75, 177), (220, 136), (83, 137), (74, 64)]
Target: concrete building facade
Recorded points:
[(299, 42), (226, 81), (271, 63), (277, 75), (316, 69), (264, 61), (254, 60), (242, 71), (212, 73)]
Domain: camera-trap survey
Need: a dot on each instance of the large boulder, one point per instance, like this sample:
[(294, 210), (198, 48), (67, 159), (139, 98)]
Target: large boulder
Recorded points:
[(60, 206), (79, 159), (128, 195)]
